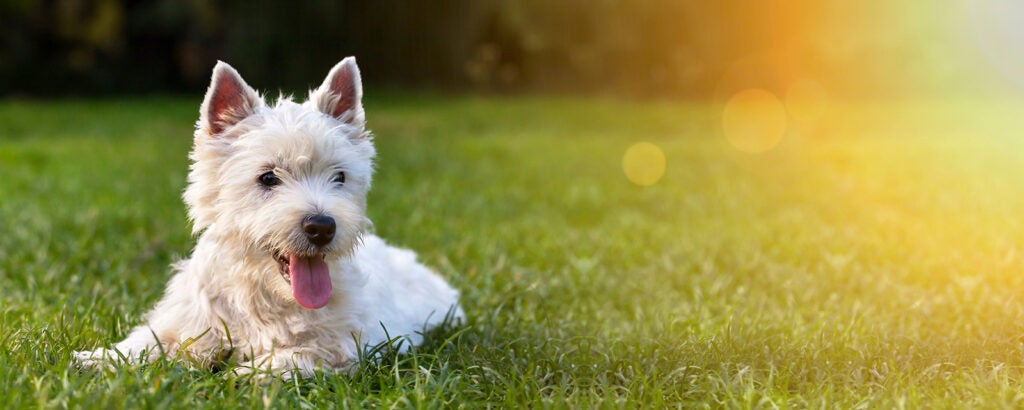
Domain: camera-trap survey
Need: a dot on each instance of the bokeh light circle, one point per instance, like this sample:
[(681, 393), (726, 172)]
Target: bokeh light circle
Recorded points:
[(754, 120), (643, 164)]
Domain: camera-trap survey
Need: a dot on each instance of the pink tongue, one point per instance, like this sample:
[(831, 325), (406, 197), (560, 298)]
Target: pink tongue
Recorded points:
[(311, 281)]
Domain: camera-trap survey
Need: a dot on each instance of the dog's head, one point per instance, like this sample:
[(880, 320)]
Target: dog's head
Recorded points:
[(288, 182)]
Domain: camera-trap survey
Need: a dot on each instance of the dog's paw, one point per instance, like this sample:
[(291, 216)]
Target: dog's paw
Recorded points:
[(248, 373), (291, 364), (95, 359), (265, 373)]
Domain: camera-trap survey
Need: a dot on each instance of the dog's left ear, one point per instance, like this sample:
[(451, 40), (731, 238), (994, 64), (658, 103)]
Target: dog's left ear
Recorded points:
[(341, 94)]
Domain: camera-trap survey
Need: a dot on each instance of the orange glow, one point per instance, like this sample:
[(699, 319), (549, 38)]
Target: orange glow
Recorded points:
[(806, 102)]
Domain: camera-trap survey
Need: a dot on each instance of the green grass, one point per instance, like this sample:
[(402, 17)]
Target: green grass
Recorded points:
[(874, 260)]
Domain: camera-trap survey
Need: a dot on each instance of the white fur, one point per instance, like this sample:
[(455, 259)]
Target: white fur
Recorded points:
[(230, 297)]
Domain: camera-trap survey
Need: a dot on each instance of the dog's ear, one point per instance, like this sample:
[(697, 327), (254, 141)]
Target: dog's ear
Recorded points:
[(341, 94), (228, 101)]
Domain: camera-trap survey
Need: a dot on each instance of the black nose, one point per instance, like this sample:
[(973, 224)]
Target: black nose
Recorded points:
[(319, 229)]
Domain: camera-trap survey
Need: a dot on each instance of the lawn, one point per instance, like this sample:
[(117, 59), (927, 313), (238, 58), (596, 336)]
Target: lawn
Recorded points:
[(872, 259)]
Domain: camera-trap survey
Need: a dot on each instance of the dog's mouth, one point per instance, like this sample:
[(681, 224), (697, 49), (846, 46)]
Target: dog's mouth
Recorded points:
[(282, 266), (309, 277)]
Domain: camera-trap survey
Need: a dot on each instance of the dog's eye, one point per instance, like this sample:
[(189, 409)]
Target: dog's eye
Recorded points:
[(269, 179), (339, 177)]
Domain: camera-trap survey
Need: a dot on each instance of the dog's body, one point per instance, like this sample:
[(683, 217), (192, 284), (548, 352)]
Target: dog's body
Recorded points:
[(284, 276)]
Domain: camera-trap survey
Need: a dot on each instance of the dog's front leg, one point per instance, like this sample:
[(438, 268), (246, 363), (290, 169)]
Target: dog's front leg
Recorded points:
[(141, 346), (175, 323)]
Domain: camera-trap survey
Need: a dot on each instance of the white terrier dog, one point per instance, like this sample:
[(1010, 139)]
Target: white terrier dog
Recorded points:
[(284, 276)]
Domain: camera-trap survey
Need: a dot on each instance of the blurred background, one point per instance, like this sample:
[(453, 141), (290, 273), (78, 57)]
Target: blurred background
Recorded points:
[(645, 48)]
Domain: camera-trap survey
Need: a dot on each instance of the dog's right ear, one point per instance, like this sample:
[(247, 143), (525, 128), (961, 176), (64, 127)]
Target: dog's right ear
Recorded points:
[(228, 101)]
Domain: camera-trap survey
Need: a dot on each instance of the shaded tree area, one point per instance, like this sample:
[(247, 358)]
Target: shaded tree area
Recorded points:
[(682, 48), (92, 47)]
